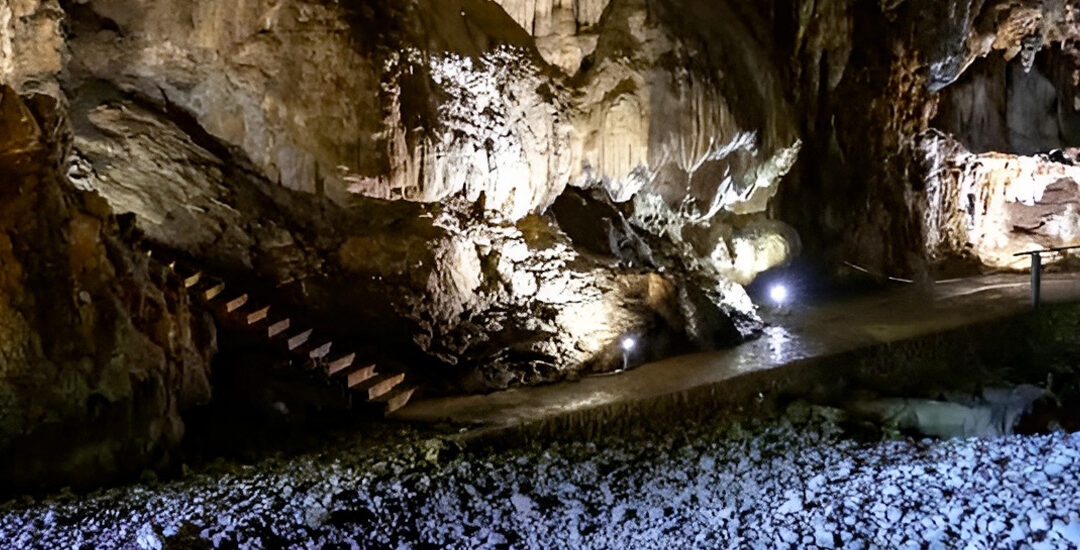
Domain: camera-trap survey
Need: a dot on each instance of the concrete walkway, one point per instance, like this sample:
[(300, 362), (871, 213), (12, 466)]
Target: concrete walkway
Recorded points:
[(805, 333)]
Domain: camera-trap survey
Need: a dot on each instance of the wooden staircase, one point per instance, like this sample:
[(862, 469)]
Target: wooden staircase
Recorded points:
[(305, 346)]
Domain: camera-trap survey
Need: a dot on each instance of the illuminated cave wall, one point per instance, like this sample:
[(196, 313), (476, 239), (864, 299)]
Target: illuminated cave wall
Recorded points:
[(416, 172), (566, 31), (890, 92), (1002, 158), (495, 193), (1003, 106), (204, 125)]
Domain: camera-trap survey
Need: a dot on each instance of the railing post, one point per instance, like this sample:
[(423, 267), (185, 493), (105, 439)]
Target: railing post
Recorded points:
[(1036, 269), (1036, 279)]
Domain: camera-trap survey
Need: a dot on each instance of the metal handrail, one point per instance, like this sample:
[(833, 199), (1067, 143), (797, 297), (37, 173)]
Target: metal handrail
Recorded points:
[(1048, 250), (1036, 269)]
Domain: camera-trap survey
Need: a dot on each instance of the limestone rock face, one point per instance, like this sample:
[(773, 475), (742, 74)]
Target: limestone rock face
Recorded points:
[(279, 80), (471, 300), (31, 43), (565, 30), (500, 130), (890, 72), (205, 126), (499, 192), (999, 163), (995, 205), (100, 351), (412, 101), (454, 97), (664, 108)]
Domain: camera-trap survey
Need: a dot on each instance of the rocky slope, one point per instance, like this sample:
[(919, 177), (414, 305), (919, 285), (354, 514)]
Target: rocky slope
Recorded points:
[(779, 485)]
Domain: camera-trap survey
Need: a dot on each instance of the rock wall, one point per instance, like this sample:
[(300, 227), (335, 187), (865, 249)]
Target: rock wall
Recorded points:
[(1001, 105), (565, 30), (992, 206), (282, 81), (100, 352), (31, 43), (998, 163), (190, 122), (458, 98), (908, 69), (498, 192)]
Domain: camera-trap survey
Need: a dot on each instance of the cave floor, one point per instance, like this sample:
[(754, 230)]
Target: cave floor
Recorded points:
[(794, 340)]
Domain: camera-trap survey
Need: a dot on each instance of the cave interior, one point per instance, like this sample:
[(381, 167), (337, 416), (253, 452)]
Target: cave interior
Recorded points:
[(232, 229)]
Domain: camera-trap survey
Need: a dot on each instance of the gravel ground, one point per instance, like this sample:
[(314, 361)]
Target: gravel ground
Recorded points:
[(773, 484)]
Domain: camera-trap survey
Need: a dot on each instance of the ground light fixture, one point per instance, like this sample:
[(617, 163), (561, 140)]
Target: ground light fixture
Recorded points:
[(628, 344), (779, 294)]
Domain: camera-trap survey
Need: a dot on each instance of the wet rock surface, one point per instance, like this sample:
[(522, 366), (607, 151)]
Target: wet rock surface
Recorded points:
[(793, 482)]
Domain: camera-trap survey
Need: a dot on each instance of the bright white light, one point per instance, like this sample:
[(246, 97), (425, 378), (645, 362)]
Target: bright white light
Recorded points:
[(779, 294), (628, 344)]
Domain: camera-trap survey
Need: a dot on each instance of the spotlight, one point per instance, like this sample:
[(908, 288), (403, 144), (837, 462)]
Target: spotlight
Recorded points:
[(628, 343), (779, 294)]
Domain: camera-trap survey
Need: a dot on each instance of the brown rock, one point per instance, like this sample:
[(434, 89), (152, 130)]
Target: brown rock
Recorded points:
[(100, 352), (19, 135)]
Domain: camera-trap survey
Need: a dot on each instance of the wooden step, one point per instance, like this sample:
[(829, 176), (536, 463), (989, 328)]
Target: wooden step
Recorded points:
[(360, 375), (258, 316), (314, 353), (396, 398), (319, 351), (378, 385), (299, 339), (340, 364), (214, 291), (278, 328), (236, 303), (384, 388), (193, 279)]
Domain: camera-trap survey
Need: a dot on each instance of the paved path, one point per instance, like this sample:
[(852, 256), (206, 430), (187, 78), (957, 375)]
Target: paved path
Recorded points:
[(804, 333)]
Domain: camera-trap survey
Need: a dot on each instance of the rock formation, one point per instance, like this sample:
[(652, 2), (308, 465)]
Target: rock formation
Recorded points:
[(190, 127), (100, 352), (915, 66), (995, 205), (499, 192), (565, 30)]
